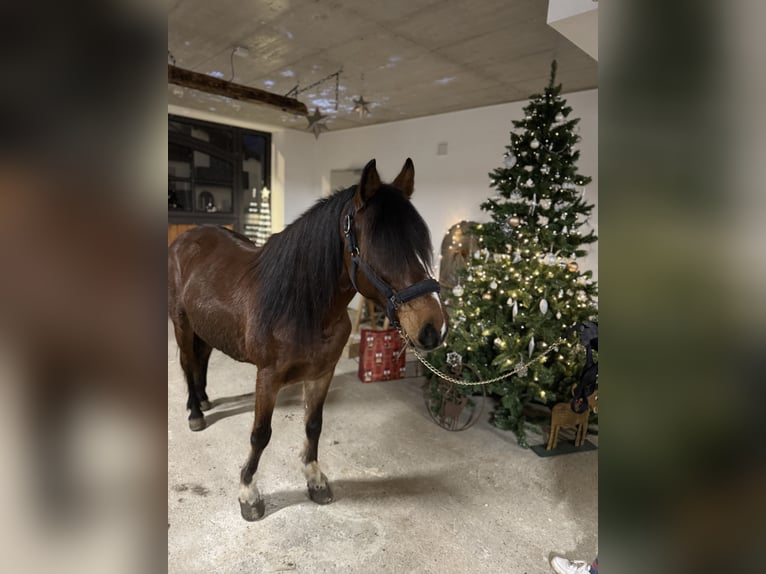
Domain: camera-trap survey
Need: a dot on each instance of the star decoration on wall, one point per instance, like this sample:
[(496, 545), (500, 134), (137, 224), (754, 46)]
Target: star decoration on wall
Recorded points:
[(360, 106), (315, 123)]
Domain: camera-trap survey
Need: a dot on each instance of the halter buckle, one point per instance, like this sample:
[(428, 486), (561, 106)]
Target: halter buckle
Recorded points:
[(347, 224)]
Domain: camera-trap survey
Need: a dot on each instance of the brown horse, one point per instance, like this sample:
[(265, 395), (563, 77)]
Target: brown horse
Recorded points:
[(283, 307)]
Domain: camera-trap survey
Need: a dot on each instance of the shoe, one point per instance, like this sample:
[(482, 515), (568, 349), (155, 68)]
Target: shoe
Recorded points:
[(564, 566)]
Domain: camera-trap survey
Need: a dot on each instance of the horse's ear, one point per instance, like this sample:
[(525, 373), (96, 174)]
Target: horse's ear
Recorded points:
[(406, 178), (369, 183)]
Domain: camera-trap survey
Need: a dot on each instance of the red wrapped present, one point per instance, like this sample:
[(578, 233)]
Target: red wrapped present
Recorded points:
[(381, 357)]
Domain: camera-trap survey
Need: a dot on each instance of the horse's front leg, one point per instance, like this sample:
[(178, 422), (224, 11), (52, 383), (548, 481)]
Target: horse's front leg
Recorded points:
[(251, 502), (314, 394)]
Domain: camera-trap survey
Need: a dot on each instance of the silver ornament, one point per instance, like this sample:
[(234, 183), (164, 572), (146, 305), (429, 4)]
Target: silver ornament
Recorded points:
[(550, 259), (455, 361), (458, 290), (534, 144), (510, 160), (543, 306), (509, 302), (531, 346), (493, 285), (558, 315), (516, 256), (515, 310)]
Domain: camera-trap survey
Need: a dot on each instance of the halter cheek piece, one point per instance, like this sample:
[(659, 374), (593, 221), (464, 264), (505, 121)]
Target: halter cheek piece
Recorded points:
[(394, 298)]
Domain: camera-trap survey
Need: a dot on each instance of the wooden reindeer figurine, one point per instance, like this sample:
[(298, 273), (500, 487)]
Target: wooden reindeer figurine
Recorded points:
[(562, 415)]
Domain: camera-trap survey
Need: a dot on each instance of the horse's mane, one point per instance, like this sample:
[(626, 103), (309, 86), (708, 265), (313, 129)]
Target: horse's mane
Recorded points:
[(297, 270)]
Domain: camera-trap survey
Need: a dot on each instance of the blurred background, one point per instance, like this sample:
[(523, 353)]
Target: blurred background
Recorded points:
[(82, 286)]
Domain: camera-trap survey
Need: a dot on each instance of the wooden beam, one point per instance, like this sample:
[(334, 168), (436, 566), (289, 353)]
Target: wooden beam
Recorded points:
[(211, 85)]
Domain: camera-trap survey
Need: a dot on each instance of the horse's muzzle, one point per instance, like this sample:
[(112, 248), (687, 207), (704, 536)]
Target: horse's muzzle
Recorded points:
[(429, 338)]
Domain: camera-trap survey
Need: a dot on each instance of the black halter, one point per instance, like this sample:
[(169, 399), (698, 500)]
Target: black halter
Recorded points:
[(394, 298)]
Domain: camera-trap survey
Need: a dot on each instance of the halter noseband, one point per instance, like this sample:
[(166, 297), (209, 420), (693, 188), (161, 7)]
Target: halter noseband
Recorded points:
[(394, 298)]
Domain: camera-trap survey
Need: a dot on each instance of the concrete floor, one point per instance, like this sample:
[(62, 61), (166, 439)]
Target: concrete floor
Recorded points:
[(409, 496)]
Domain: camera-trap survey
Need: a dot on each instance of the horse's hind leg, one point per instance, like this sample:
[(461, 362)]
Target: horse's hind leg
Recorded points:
[(314, 394), (250, 500), (201, 357), (185, 338)]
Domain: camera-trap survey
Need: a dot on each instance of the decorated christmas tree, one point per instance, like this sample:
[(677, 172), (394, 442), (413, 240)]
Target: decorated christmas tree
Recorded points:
[(523, 291)]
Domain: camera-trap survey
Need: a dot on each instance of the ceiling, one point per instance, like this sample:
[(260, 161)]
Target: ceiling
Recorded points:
[(408, 58)]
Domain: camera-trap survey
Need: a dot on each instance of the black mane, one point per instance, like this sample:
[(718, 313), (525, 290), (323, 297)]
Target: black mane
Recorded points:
[(297, 270), (399, 237)]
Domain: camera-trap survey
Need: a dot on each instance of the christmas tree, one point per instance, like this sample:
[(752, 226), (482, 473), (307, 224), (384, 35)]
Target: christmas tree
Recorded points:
[(263, 226), (522, 291)]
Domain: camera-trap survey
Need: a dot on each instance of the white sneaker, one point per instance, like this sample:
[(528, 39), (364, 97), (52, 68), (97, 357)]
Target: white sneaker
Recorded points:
[(564, 566)]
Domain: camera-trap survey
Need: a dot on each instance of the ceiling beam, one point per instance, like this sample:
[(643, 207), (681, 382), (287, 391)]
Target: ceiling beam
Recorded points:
[(211, 85)]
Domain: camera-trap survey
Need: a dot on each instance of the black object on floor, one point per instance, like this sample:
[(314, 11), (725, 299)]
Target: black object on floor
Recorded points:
[(564, 447)]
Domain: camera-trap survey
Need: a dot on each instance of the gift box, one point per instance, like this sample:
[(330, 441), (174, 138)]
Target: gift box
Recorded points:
[(381, 356)]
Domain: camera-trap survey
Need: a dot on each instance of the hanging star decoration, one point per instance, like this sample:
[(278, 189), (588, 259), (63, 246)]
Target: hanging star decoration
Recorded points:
[(315, 123), (360, 106)]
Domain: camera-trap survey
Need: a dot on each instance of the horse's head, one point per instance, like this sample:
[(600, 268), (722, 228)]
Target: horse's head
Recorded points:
[(389, 254)]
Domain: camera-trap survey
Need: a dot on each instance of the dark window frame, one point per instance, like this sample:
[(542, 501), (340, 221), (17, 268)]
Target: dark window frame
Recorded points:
[(235, 156)]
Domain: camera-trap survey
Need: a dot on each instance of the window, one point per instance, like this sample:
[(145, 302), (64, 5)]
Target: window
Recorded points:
[(219, 174)]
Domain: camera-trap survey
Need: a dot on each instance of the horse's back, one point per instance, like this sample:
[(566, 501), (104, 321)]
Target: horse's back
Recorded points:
[(208, 270), (206, 244)]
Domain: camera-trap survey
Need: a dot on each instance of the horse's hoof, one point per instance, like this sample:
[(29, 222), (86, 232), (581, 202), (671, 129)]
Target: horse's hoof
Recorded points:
[(205, 405), (252, 512), (320, 493), (197, 424)]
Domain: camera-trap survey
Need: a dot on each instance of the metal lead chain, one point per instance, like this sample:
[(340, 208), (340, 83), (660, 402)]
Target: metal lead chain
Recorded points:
[(451, 379)]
